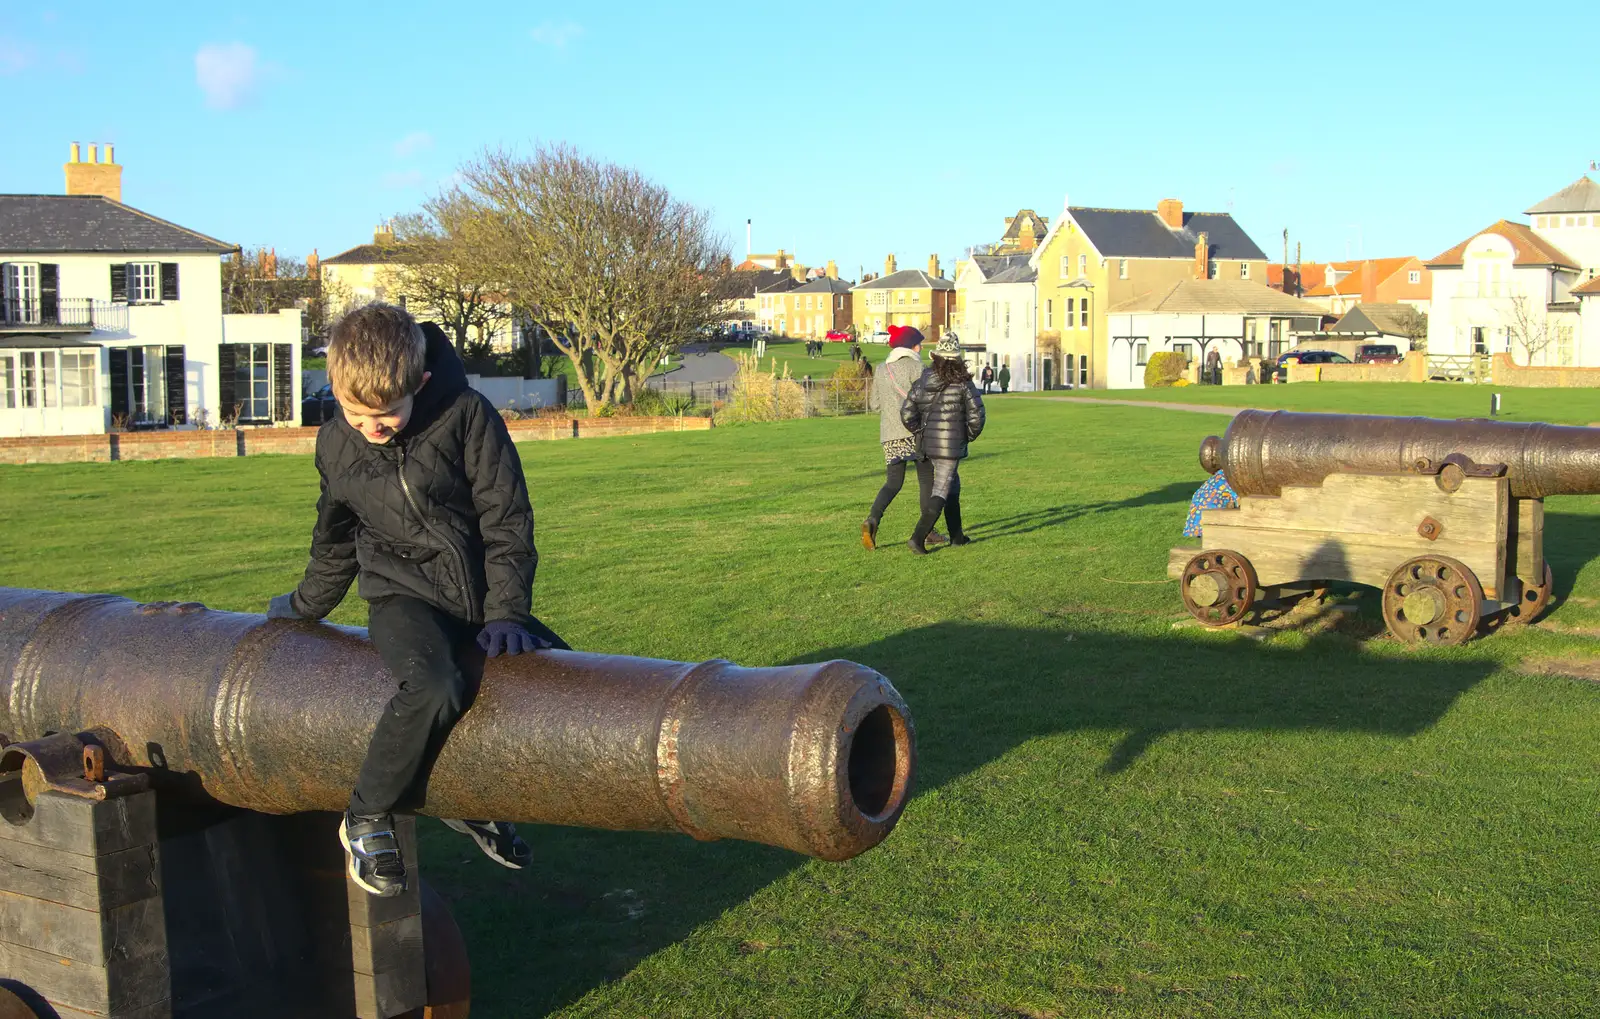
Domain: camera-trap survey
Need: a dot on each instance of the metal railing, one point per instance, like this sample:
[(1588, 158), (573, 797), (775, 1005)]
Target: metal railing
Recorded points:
[(76, 313)]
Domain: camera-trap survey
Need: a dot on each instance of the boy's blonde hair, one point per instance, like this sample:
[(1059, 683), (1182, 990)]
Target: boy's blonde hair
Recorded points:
[(375, 355)]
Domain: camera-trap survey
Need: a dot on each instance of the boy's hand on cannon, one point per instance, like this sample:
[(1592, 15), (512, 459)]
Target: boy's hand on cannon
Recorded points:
[(282, 607), (505, 637)]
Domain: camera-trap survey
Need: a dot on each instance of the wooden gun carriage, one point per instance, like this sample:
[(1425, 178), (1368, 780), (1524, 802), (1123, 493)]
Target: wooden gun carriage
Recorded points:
[(1445, 518)]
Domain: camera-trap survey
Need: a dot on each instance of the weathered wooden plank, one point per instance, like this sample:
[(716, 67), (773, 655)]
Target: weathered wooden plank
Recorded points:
[(88, 882), (87, 827), (1526, 543), (386, 947), (390, 995), (1284, 557), (160, 1010), (1360, 528), (98, 990), (84, 935)]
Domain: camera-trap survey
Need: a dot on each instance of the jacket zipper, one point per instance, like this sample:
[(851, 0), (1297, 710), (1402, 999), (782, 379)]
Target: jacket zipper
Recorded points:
[(461, 560)]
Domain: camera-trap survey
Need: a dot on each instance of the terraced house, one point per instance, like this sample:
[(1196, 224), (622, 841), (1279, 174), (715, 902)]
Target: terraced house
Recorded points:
[(1094, 258), (112, 318)]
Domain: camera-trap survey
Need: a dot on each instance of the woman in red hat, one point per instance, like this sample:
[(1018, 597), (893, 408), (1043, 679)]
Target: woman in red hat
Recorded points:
[(890, 386)]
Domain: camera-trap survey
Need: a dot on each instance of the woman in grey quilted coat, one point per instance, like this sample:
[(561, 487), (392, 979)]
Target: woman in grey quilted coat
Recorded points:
[(890, 386)]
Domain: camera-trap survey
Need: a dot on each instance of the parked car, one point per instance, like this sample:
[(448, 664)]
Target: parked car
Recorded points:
[(877, 337), (1313, 357), (838, 335), (318, 407), (1377, 353)]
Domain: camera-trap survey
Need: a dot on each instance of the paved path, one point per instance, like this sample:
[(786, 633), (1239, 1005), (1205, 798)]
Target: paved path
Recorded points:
[(1198, 408), (700, 366)]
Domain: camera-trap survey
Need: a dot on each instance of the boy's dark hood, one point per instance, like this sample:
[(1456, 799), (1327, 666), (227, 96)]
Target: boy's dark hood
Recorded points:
[(446, 382)]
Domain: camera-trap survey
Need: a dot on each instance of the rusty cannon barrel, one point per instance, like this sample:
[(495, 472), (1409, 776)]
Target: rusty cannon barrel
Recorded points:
[(1263, 451), (274, 716)]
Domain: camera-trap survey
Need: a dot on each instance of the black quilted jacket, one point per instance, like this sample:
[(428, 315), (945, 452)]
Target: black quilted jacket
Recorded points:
[(440, 512), (948, 416)]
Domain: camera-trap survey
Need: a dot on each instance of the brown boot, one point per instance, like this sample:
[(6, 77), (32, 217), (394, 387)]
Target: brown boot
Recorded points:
[(869, 534)]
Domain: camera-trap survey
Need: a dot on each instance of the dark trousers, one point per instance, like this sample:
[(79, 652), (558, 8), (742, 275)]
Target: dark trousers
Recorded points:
[(435, 659), (894, 476)]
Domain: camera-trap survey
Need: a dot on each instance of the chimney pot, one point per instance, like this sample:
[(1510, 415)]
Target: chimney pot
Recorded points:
[(74, 152), (109, 158), (92, 157)]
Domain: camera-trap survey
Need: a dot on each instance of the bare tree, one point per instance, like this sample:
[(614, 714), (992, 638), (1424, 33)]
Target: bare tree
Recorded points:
[(1413, 325), (615, 270), (1527, 326), (260, 281), (438, 278)]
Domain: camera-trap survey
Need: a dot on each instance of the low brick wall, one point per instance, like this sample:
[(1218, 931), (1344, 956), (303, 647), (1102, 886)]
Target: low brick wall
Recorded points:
[(1504, 372), (1413, 368), (256, 441)]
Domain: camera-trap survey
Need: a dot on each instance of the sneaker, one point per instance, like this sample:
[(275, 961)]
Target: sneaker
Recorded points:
[(498, 840), (373, 850), (869, 534)]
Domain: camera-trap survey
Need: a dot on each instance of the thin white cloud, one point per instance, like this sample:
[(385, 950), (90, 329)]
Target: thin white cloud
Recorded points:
[(15, 56), (398, 180), (228, 73), (413, 143), (555, 35)]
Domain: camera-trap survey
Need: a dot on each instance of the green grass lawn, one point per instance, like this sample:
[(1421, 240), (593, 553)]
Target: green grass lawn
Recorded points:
[(793, 353), (1113, 817), (1429, 399)]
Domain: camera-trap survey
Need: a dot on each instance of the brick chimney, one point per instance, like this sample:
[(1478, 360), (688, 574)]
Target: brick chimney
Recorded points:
[(933, 265), (798, 272), (1202, 257), (1369, 281), (1171, 212), (888, 266), (94, 177), (833, 269), (313, 263), (383, 233), (1025, 239)]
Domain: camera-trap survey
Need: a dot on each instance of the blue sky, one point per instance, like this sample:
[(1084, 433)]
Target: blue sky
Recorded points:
[(844, 131)]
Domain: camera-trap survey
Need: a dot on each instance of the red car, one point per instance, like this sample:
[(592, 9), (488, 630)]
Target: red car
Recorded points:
[(1377, 353), (835, 334)]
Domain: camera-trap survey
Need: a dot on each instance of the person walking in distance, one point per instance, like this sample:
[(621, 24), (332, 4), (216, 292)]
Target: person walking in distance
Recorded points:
[(891, 384), (1005, 378), (424, 500), (945, 408), (987, 378)]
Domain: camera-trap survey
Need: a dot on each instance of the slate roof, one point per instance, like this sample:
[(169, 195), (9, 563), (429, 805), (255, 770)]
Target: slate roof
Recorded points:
[(1367, 319), (366, 254), (824, 285), (1140, 233), (907, 279), (1530, 248), (1041, 225), (1023, 273), (1219, 297), (993, 265), (1589, 289), (65, 224), (1582, 195)]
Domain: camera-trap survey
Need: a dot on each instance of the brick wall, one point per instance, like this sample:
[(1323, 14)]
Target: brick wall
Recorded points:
[(256, 441), (1504, 372), (1414, 368)]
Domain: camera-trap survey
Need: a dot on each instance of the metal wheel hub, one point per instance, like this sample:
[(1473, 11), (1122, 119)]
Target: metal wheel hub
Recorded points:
[(1218, 587), (1432, 600)]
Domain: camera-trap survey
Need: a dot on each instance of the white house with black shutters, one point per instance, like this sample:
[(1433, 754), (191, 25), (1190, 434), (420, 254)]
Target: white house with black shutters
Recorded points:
[(112, 318)]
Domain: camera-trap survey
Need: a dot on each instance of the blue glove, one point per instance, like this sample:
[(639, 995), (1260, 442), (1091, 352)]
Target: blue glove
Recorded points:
[(282, 607), (505, 637)]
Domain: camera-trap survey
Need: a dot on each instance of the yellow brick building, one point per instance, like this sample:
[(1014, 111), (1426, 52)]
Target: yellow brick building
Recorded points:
[(904, 297), (1094, 258)]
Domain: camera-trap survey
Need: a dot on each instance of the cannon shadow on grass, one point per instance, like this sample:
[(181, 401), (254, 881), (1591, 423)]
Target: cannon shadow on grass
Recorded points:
[(597, 903), (1571, 542)]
